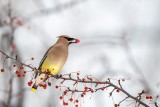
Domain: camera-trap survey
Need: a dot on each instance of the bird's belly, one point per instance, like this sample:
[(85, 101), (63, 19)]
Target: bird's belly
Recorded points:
[(53, 67)]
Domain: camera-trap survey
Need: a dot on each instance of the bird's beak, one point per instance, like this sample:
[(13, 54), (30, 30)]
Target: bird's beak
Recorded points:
[(74, 40)]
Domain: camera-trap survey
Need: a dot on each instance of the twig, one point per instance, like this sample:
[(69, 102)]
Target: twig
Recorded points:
[(15, 59)]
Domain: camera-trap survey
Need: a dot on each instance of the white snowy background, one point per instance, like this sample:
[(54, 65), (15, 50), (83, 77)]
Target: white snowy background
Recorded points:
[(119, 39)]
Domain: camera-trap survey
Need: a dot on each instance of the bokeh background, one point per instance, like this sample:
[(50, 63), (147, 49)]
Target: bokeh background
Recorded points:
[(119, 39)]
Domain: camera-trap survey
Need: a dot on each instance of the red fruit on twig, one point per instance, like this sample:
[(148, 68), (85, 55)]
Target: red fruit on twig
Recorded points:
[(2, 70)]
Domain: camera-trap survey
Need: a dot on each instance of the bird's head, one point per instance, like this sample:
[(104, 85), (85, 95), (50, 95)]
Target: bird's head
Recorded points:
[(69, 39)]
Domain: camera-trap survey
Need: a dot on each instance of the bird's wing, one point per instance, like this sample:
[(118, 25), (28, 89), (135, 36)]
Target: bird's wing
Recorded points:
[(42, 60)]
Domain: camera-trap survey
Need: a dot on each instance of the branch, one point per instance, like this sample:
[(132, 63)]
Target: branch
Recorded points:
[(107, 83), (16, 60), (86, 80)]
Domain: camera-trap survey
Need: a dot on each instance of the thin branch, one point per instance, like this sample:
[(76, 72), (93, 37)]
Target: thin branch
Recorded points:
[(16, 60), (123, 100), (133, 62)]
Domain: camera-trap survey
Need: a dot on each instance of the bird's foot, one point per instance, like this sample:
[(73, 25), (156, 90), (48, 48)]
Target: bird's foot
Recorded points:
[(57, 76)]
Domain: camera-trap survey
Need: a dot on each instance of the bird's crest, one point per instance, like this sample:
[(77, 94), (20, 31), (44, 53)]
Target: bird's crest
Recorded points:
[(63, 36)]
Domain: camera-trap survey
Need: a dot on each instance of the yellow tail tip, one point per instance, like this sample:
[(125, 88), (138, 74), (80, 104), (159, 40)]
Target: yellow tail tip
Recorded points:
[(33, 90)]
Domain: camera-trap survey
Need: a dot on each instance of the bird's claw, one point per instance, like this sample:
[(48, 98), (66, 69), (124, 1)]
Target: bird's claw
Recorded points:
[(57, 76)]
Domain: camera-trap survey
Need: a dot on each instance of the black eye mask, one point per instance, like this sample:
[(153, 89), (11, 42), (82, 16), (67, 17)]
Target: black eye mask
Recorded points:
[(70, 39)]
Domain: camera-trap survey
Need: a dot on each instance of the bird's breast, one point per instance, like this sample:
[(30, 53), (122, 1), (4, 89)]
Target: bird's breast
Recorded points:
[(55, 61)]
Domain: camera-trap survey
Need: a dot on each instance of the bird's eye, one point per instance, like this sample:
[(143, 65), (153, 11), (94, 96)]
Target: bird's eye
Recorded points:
[(66, 38)]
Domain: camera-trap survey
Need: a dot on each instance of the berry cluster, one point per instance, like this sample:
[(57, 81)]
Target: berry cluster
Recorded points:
[(148, 97), (71, 99), (20, 71)]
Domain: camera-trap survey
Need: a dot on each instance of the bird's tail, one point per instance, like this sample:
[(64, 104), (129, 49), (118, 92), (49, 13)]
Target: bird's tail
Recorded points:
[(34, 87), (40, 78)]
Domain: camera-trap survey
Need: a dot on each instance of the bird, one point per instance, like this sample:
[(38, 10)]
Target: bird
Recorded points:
[(54, 59)]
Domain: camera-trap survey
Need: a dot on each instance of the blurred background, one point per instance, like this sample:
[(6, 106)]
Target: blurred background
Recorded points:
[(119, 39)]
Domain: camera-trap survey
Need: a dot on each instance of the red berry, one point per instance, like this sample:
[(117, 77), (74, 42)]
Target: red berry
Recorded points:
[(40, 85), (147, 97), (82, 95), (150, 97), (92, 91), (56, 86), (17, 72), (30, 83), (49, 83), (117, 90), (65, 92), (21, 67), (86, 88), (90, 79), (70, 99), (2, 70), (77, 40), (44, 86), (60, 97), (76, 105), (102, 88), (65, 103), (115, 105), (18, 75), (76, 101), (24, 72), (83, 79), (99, 82)]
